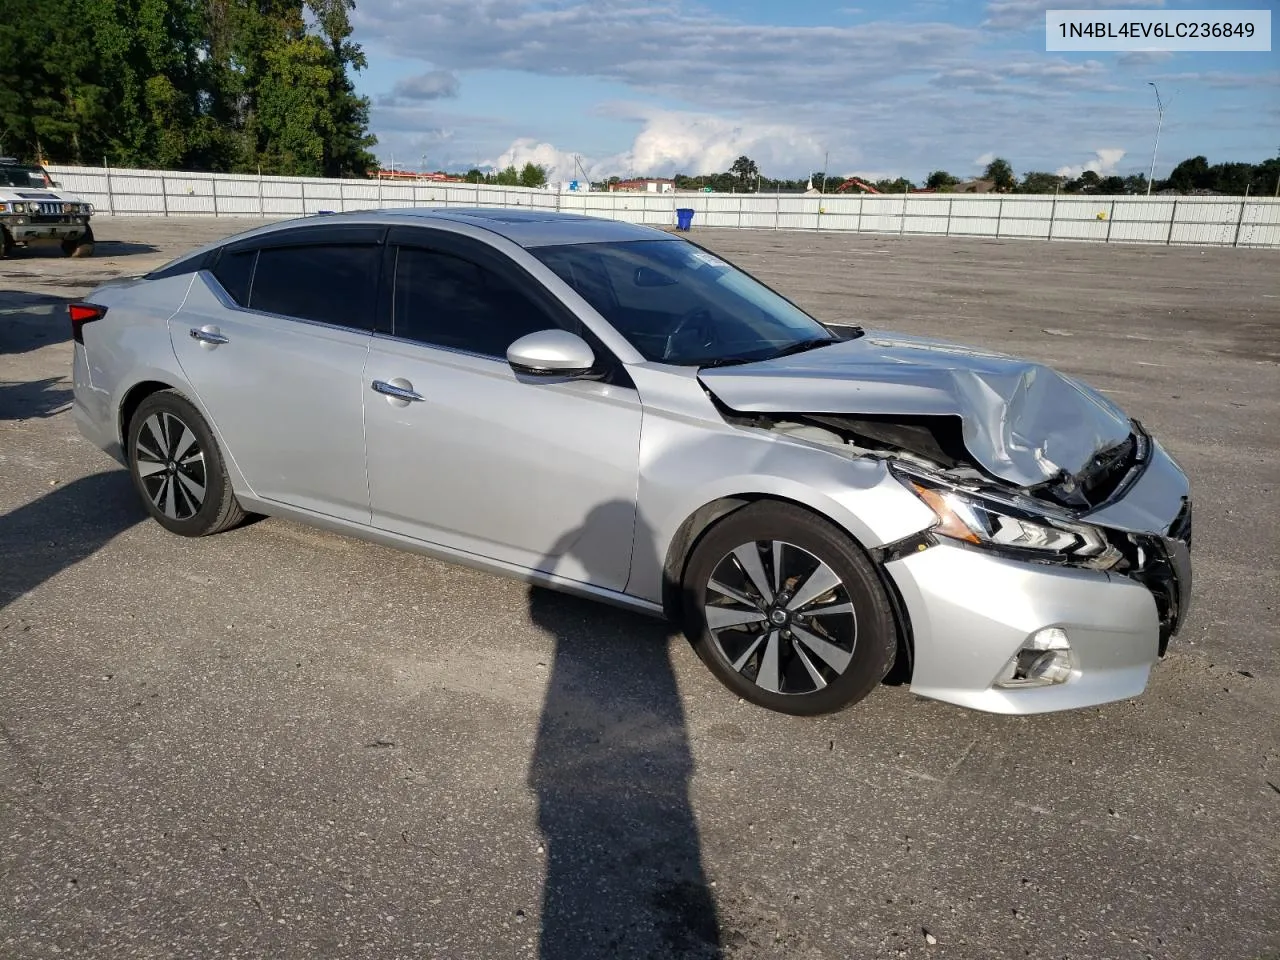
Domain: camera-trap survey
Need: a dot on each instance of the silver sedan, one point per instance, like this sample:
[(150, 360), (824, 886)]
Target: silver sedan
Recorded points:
[(614, 411)]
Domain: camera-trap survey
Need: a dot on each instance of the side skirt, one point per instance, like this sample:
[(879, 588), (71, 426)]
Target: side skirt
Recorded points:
[(449, 555)]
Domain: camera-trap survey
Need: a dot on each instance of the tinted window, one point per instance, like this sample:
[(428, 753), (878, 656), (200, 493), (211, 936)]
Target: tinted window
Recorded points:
[(22, 177), (234, 271), (678, 304), (328, 283), (447, 301)]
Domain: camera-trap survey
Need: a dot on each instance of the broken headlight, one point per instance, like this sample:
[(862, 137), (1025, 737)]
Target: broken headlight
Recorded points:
[(968, 516)]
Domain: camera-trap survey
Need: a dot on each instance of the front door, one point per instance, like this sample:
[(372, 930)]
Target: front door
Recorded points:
[(464, 453)]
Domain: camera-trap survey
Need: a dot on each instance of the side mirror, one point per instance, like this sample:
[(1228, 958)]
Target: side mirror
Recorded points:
[(551, 353)]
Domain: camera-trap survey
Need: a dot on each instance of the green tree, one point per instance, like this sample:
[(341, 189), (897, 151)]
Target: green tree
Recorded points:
[(1191, 174), (1135, 184), (941, 180), (1000, 172), (1040, 182), (347, 145), (744, 172), (899, 185), (533, 175)]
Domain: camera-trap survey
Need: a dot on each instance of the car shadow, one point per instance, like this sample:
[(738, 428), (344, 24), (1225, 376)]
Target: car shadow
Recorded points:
[(101, 248), (29, 321), (34, 399), (40, 539), (611, 770)]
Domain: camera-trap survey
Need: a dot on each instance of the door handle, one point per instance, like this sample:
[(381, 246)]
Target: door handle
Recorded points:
[(391, 390), (207, 336)]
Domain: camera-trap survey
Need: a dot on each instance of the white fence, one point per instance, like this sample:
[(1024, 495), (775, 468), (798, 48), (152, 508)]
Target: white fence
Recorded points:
[(1210, 221)]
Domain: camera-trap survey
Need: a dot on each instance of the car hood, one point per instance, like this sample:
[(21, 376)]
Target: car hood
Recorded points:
[(36, 193), (1021, 421)]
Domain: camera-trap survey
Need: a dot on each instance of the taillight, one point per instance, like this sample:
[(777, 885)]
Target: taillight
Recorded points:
[(82, 313)]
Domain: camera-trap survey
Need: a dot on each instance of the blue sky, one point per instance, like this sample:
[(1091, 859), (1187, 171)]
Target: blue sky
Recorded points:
[(663, 86)]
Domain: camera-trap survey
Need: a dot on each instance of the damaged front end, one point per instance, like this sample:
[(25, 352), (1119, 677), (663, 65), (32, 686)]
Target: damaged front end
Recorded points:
[(1053, 522)]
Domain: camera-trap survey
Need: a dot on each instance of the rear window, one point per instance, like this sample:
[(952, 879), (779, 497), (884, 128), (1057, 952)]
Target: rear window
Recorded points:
[(235, 272), (331, 283)]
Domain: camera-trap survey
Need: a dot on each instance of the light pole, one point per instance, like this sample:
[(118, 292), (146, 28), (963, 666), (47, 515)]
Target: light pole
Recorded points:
[(1159, 123)]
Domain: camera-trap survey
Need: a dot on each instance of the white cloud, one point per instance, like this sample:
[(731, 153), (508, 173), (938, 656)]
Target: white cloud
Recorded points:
[(1103, 164), (1023, 14), (673, 142), (983, 160)]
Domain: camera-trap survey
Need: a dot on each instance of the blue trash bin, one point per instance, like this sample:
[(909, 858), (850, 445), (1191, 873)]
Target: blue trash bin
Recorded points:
[(684, 218)]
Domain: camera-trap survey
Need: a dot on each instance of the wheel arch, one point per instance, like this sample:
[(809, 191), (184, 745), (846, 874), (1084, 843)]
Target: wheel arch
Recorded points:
[(129, 404), (699, 523)]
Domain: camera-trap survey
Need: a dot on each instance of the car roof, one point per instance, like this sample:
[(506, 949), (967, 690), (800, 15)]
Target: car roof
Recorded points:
[(528, 227)]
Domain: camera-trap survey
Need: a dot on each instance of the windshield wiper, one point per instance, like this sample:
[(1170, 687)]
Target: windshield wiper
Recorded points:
[(804, 345)]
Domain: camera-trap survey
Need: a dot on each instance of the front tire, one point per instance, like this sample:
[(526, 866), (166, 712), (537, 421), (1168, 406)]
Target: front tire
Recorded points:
[(177, 468), (81, 246), (787, 611)]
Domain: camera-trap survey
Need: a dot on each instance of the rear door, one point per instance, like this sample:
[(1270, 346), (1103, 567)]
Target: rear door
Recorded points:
[(274, 340)]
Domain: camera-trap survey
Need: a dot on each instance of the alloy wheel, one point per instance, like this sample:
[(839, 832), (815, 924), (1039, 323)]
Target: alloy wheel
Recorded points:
[(781, 617), (171, 465)]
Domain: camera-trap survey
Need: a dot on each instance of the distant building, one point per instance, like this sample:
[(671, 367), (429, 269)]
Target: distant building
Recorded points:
[(644, 185), (414, 176)]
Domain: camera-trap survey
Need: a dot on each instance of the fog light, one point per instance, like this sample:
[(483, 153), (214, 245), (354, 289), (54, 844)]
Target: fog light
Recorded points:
[(1043, 660)]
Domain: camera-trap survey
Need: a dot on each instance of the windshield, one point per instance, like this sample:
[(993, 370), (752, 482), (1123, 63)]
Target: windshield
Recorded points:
[(676, 303), (22, 177)]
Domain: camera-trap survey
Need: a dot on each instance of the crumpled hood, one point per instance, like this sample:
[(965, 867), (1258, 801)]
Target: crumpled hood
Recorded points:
[(1021, 421)]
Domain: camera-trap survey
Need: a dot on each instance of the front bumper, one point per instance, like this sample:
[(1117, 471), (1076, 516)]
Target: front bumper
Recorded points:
[(970, 611), (32, 229)]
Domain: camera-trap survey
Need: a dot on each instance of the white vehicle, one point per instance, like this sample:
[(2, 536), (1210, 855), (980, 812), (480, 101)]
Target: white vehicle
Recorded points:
[(34, 209)]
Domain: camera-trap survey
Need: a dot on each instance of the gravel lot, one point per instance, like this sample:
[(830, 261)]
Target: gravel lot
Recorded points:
[(279, 742)]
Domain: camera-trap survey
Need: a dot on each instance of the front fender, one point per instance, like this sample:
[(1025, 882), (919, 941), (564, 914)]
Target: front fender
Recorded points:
[(684, 467)]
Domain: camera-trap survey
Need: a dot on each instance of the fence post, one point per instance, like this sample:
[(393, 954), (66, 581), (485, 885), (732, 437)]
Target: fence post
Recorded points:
[(902, 224), (999, 216), (164, 195), (111, 200), (740, 212), (862, 199), (1052, 210), (949, 202), (1172, 217), (379, 192), (262, 210), (1240, 219), (777, 210), (1110, 216), (213, 181), (302, 185)]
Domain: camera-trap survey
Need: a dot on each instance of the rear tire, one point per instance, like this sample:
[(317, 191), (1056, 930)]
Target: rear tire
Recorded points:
[(6, 244), (787, 611), (178, 469)]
